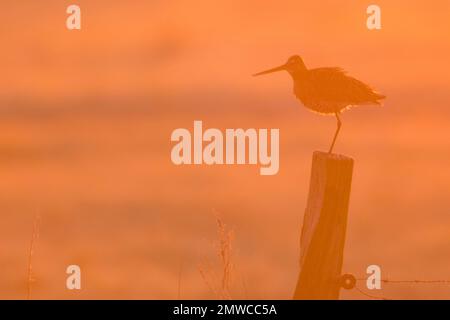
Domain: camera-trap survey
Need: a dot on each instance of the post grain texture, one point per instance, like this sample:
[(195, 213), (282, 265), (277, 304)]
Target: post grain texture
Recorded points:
[(324, 227)]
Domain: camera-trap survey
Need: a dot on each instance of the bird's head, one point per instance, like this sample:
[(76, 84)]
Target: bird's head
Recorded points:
[(294, 65)]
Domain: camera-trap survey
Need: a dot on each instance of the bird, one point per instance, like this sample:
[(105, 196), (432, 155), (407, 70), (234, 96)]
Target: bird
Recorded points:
[(327, 91)]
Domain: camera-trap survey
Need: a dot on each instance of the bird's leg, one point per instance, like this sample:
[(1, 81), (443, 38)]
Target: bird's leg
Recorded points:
[(337, 132)]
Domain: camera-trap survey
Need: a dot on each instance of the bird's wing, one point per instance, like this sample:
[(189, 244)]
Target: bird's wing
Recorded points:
[(334, 85)]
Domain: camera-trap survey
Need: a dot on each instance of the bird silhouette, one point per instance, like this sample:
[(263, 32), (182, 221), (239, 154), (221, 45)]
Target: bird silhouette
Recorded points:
[(327, 90)]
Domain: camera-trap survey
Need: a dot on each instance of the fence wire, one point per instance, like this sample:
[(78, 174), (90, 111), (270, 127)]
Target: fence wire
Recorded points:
[(394, 281)]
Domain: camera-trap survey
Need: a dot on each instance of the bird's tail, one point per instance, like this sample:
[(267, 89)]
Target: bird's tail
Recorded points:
[(377, 97)]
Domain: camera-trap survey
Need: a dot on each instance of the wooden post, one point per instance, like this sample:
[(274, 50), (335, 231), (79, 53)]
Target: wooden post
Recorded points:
[(324, 227)]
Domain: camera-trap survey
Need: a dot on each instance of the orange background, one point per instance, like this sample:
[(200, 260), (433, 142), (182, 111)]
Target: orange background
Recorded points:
[(86, 118)]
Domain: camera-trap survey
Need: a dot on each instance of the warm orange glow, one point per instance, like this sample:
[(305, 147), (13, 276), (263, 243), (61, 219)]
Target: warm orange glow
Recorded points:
[(86, 118)]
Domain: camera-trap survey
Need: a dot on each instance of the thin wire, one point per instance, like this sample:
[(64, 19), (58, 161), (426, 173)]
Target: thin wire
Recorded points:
[(446, 282), (369, 295), (389, 281), (443, 282)]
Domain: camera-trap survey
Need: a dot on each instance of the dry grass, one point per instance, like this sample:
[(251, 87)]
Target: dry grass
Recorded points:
[(34, 238), (180, 272), (219, 284)]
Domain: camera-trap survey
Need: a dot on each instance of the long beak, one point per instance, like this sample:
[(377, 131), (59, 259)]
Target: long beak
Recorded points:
[(280, 68)]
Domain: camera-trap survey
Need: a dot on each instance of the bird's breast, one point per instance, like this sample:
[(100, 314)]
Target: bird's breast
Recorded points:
[(311, 97)]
